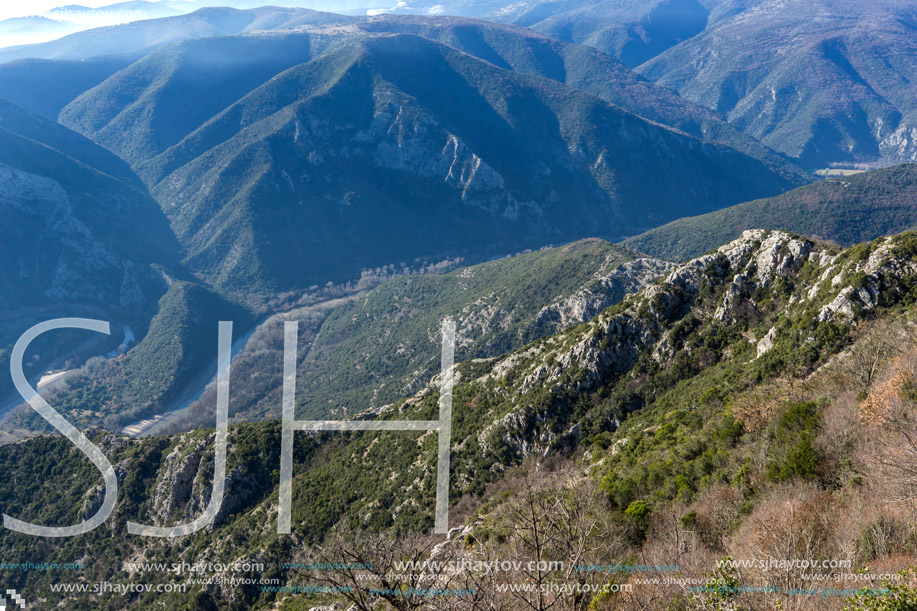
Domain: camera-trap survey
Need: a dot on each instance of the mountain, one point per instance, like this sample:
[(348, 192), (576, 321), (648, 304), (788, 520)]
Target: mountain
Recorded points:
[(844, 210), (516, 149), (46, 86), (78, 223), (26, 24), (609, 414), (510, 47), (149, 34), (84, 17), (139, 9), (521, 162), (81, 237), (823, 82), (840, 94), (498, 306), (34, 29), (725, 393), (513, 48), (80, 233), (632, 31), (582, 67), (42, 85), (161, 98)]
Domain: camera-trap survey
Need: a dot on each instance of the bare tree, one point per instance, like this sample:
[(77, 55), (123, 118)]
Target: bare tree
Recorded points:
[(549, 537), (889, 410), (556, 533), (365, 569)]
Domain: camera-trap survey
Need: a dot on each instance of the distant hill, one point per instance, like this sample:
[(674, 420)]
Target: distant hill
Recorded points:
[(152, 33), (145, 108), (48, 85), (45, 86), (321, 144), (822, 81), (510, 47), (582, 67), (27, 30), (392, 135), (845, 210), (633, 31)]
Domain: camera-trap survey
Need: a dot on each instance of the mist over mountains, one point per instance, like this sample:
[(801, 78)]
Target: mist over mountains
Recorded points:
[(322, 144), (836, 92)]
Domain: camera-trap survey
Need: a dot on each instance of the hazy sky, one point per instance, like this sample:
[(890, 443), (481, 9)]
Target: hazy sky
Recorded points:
[(75, 20), (37, 7)]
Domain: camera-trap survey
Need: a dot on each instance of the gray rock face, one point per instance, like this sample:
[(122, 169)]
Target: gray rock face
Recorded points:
[(185, 483), (173, 493), (606, 289), (60, 257), (879, 272), (759, 262), (766, 342), (32, 192), (614, 347)]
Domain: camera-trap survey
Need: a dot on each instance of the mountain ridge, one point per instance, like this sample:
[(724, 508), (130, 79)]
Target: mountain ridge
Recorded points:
[(845, 210), (282, 140), (572, 397), (841, 92)]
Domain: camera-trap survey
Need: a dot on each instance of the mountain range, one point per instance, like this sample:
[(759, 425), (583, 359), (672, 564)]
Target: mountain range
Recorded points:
[(333, 143), (838, 92), (845, 210), (149, 34), (337, 143), (675, 347), (705, 395), (823, 81), (633, 31), (245, 142)]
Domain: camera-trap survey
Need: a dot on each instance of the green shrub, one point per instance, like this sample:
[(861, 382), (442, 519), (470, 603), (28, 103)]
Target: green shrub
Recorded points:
[(638, 516), (792, 450), (892, 596)]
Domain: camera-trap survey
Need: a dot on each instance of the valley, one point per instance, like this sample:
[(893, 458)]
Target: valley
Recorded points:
[(611, 304)]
